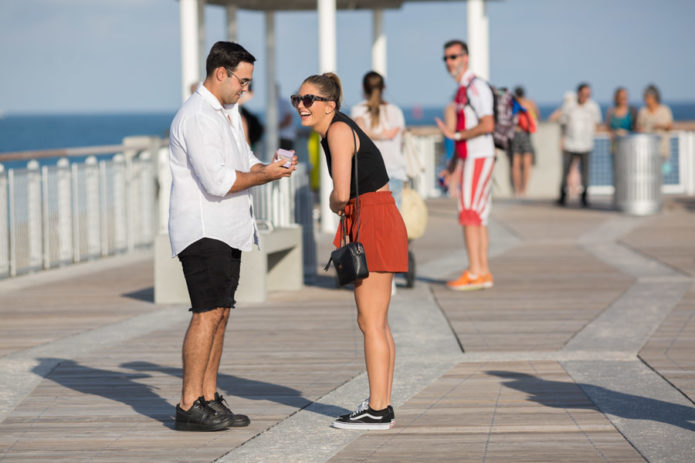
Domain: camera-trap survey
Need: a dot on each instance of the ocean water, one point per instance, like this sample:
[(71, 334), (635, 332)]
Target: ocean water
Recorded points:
[(37, 132)]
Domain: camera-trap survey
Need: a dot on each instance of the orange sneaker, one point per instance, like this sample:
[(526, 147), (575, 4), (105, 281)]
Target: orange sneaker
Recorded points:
[(488, 282), (468, 283)]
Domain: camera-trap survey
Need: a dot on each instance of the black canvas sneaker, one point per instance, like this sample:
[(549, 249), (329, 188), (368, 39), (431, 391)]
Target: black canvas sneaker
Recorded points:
[(365, 420), (365, 405), (200, 417), (233, 420)]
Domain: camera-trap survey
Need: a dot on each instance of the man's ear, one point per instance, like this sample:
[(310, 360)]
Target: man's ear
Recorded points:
[(221, 73)]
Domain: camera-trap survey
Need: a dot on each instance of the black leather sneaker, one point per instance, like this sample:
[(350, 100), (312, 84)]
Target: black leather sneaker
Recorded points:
[(200, 417), (232, 419)]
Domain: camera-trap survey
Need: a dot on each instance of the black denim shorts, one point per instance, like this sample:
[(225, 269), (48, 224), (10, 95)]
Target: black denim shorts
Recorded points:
[(211, 268)]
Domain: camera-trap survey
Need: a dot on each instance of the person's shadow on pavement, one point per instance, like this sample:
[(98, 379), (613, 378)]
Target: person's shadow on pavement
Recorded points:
[(246, 388), (556, 394), (142, 398)]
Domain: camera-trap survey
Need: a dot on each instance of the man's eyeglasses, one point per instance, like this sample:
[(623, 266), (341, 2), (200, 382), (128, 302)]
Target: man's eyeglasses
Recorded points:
[(307, 100), (243, 82), (446, 58)]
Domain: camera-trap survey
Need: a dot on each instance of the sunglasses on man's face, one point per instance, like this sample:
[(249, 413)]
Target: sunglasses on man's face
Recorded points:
[(307, 100), (446, 58)]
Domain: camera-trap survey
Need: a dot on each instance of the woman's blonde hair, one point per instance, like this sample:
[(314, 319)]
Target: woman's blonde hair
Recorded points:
[(329, 85)]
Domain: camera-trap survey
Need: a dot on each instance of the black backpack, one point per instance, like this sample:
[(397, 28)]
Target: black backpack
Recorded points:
[(503, 107)]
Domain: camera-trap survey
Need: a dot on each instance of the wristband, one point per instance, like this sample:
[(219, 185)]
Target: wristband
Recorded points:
[(457, 136)]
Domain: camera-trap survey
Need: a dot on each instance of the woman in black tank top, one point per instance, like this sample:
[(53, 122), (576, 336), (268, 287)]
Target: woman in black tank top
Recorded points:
[(381, 231)]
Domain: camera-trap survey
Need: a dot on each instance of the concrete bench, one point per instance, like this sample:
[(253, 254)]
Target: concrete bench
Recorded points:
[(276, 267)]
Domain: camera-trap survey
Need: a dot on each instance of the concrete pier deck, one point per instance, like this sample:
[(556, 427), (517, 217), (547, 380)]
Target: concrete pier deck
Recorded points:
[(583, 351)]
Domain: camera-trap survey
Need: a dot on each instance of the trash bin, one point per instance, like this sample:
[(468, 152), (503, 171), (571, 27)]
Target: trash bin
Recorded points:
[(638, 174)]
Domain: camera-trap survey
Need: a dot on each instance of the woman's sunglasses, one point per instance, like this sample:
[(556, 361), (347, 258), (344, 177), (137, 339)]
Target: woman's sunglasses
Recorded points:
[(308, 100)]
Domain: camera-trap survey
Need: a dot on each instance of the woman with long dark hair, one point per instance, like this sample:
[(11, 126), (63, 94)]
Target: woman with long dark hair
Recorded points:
[(384, 123), (381, 231)]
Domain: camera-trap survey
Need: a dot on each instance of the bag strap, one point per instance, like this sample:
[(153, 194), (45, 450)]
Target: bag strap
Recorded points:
[(357, 188)]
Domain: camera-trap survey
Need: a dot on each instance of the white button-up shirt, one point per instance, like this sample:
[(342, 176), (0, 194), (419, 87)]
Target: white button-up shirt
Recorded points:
[(208, 147)]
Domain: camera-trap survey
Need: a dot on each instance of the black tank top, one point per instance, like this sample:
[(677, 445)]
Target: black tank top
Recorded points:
[(371, 168)]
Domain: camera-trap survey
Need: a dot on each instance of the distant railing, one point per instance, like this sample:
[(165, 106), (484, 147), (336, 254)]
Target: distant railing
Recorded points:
[(79, 208), (678, 169)]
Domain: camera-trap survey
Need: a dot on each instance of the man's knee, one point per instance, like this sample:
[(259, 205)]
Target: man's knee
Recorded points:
[(213, 316)]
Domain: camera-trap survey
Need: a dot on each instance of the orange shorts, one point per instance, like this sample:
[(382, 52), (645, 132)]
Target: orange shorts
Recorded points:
[(382, 232)]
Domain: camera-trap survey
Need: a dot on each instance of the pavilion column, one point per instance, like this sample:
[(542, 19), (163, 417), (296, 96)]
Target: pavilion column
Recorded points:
[(202, 51), (190, 51), (327, 63), (378, 42), (232, 28), (478, 38), (271, 111)]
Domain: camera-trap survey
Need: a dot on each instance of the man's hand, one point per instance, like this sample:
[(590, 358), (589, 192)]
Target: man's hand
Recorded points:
[(276, 170)]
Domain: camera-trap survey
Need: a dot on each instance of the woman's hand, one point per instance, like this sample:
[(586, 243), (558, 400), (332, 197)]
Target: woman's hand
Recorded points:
[(446, 131)]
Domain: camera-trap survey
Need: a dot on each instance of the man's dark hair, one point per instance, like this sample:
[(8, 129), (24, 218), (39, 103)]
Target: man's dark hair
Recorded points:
[(519, 92), (227, 55), (582, 86), (451, 43)]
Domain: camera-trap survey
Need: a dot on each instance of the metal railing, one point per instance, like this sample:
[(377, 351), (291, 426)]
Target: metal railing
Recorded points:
[(100, 201), (81, 208), (678, 169)]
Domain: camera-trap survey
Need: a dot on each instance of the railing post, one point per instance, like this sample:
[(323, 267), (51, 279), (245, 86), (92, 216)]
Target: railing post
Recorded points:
[(64, 212), (34, 214), (4, 230), (75, 177), (91, 183), (10, 225), (45, 226), (103, 210), (120, 232), (146, 189), (131, 203)]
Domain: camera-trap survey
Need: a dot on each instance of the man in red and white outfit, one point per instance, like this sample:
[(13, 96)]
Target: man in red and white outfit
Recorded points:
[(470, 122)]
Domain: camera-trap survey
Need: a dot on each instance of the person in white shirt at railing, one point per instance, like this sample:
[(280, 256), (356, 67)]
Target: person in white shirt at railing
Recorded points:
[(211, 221)]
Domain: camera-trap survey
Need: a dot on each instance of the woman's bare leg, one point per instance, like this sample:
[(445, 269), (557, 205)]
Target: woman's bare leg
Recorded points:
[(373, 295)]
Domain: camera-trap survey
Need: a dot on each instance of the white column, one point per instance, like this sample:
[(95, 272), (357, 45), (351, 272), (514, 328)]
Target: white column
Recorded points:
[(232, 30), (190, 56), (327, 63), (478, 38), (271, 104), (202, 49), (378, 42)]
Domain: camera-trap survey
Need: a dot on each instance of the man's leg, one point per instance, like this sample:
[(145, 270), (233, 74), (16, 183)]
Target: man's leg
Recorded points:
[(517, 178), (197, 347), (566, 165), (585, 160), (473, 236), (484, 268), (213, 366)]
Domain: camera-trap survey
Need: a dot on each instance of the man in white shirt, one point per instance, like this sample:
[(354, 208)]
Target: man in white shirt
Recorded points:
[(211, 221), (580, 121), (470, 122)]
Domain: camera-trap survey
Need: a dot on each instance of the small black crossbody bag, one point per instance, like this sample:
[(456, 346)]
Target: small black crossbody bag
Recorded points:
[(349, 259)]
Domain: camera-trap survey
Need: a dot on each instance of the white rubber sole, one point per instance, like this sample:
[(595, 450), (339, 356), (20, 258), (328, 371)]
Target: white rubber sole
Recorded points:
[(363, 426)]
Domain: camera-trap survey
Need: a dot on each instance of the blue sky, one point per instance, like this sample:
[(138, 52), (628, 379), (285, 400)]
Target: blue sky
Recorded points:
[(123, 55)]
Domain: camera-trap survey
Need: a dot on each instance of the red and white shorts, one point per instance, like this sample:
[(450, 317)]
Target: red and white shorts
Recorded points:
[(475, 191)]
